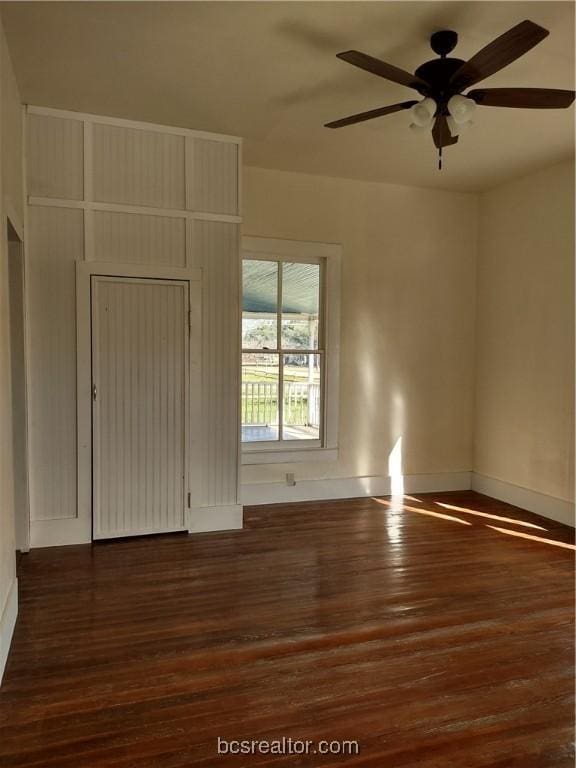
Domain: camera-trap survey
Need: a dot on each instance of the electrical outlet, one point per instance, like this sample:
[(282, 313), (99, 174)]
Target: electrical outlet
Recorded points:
[(290, 480)]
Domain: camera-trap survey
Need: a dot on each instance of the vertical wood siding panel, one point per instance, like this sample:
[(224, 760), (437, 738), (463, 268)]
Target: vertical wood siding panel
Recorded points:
[(55, 242), (152, 353), (212, 177), (130, 238), (55, 157), (217, 243), (138, 167)]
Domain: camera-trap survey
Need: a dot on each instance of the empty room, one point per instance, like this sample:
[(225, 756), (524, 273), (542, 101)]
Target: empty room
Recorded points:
[(287, 384)]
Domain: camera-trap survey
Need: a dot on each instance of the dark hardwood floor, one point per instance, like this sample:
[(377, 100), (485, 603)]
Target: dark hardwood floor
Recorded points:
[(440, 635)]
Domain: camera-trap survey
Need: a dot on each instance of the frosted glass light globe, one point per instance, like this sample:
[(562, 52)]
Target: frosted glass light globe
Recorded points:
[(457, 128), (461, 108), (423, 113)]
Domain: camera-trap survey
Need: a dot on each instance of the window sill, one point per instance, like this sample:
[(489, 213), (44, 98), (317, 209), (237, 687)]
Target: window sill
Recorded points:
[(283, 456)]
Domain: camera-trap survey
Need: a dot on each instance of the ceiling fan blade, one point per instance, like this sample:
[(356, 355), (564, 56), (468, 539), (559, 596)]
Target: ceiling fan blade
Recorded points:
[(498, 54), (441, 133), (361, 116), (380, 68), (527, 98)]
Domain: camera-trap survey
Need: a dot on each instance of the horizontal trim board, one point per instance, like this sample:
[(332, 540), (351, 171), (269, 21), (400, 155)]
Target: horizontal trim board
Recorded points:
[(143, 271), (141, 210), (209, 519), (350, 487), (135, 124), (290, 249), (540, 503), (7, 624)]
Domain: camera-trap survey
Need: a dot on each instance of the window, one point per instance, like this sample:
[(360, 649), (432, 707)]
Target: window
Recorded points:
[(289, 348)]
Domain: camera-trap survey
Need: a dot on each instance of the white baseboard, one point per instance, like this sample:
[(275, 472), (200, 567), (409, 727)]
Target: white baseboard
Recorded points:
[(351, 487), (7, 624), (225, 518), (58, 533), (548, 506)]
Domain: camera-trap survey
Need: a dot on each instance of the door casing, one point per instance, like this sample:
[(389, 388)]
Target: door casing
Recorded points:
[(79, 529)]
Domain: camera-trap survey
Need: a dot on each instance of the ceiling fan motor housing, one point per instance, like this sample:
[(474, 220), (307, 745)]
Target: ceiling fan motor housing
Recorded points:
[(437, 74)]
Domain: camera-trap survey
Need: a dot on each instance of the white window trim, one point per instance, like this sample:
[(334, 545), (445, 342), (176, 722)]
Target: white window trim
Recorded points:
[(331, 254)]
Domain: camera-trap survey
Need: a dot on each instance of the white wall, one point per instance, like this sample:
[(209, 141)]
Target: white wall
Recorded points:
[(408, 314), (11, 203), (524, 421)]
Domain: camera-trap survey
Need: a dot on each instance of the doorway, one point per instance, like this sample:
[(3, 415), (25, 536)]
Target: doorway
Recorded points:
[(18, 385), (140, 387)]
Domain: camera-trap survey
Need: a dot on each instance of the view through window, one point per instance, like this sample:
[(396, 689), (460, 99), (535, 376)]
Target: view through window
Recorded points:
[(282, 355)]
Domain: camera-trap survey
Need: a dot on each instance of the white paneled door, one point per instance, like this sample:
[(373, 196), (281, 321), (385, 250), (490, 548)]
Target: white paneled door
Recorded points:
[(139, 405)]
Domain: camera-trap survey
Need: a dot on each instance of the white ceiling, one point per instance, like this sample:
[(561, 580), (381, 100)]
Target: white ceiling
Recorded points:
[(267, 71)]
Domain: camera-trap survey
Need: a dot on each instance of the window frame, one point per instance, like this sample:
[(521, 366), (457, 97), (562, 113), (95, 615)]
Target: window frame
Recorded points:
[(328, 255)]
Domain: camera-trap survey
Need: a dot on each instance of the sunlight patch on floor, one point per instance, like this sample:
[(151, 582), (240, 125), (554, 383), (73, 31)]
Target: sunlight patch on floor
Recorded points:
[(404, 507), (492, 517), (529, 536)]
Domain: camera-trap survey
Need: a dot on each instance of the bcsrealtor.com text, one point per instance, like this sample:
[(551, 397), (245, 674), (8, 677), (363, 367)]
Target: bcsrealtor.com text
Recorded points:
[(287, 746)]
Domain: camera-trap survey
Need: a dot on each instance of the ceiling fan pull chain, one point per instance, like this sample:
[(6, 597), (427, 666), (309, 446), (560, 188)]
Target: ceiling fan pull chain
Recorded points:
[(440, 158)]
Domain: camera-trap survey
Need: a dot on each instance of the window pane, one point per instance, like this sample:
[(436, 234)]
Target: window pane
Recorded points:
[(259, 397), (300, 305), (259, 304), (302, 405)]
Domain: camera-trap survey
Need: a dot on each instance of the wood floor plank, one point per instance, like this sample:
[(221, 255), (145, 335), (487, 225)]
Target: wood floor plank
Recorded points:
[(425, 630)]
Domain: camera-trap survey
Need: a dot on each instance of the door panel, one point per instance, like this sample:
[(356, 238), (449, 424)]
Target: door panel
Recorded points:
[(139, 365)]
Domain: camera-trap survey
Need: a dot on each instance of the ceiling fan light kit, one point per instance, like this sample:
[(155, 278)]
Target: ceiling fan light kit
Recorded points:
[(420, 129), (461, 108), (445, 108), (457, 128), (423, 112)]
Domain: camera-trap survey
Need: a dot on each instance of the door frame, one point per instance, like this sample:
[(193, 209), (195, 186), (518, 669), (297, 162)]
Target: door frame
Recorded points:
[(79, 529), (22, 516)]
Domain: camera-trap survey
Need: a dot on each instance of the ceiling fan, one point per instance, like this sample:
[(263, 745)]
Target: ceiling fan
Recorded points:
[(444, 108)]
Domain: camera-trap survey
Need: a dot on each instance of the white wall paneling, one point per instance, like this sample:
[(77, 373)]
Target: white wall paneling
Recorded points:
[(215, 248), (117, 197), (55, 155), (138, 167), (55, 239), (212, 176), (135, 239)]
